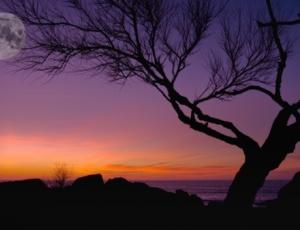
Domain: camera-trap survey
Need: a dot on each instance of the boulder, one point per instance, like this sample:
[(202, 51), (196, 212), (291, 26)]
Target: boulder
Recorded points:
[(182, 193), (288, 195), (89, 183), (117, 183), (23, 191), (23, 186), (184, 197), (292, 189), (121, 190)]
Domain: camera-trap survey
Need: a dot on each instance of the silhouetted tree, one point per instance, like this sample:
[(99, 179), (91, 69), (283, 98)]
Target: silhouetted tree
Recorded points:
[(152, 40), (61, 174)]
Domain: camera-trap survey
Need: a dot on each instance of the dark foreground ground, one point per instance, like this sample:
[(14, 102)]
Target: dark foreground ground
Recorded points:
[(89, 203)]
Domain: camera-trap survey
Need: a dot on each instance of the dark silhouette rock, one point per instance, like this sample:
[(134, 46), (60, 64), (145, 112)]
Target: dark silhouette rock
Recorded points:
[(116, 183), (23, 191), (21, 186), (121, 204), (289, 195), (181, 193), (184, 197), (88, 183), (121, 190), (292, 189)]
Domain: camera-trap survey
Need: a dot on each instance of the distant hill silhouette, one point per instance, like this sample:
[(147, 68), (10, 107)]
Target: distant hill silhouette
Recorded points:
[(91, 203)]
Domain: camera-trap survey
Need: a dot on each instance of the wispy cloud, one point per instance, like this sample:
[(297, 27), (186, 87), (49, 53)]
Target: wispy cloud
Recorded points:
[(167, 171)]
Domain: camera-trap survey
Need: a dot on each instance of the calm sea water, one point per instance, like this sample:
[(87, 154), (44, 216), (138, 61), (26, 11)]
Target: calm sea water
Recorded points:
[(216, 190)]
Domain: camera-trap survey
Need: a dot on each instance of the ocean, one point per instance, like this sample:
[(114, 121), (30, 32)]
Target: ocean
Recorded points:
[(215, 190)]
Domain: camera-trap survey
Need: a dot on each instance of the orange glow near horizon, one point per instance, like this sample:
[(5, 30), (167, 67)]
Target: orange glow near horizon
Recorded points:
[(32, 157)]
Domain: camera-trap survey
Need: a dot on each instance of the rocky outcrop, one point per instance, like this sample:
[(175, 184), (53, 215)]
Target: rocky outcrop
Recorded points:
[(92, 189), (21, 186), (117, 183), (292, 189), (89, 183), (289, 195), (121, 190), (23, 191)]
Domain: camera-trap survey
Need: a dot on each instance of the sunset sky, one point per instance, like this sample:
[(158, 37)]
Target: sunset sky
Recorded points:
[(127, 130)]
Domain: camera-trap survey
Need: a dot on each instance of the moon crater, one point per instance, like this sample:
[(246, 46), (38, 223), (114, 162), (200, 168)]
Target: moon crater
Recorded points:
[(12, 35)]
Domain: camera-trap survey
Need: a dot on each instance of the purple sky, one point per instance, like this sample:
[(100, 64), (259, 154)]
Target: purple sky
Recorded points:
[(126, 130)]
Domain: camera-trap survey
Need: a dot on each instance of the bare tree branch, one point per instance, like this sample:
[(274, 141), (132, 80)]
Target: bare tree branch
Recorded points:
[(282, 51), (248, 62)]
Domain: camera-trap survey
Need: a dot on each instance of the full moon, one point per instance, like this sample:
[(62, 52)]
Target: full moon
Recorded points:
[(12, 35)]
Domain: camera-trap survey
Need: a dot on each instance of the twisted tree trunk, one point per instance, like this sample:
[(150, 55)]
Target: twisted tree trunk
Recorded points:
[(260, 161), (249, 179)]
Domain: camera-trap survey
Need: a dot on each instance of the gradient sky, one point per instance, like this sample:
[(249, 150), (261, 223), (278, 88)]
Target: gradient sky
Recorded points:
[(128, 130)]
